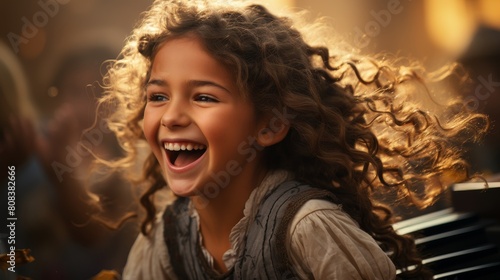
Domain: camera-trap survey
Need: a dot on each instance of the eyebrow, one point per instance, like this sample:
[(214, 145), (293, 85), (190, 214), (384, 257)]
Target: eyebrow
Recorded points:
[(191, 83)]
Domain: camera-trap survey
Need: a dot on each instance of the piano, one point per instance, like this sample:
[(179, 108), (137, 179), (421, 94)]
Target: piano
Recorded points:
[(462, 241)]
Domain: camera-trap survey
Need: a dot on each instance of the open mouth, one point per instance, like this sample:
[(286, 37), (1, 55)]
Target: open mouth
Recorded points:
[(183, 154)]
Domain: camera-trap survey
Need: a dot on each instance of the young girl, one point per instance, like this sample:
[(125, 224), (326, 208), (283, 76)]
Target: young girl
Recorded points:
[(273, 148)]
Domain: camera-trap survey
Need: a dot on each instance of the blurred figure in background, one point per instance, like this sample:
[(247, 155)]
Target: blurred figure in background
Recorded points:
[(16, 145), (56, 213), (75, 91), (14, 101)]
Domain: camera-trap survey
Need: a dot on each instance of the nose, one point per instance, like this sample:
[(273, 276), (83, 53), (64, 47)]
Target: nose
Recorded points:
[(175, 116)]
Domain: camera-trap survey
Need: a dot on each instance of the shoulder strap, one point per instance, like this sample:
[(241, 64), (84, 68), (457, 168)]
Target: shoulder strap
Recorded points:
[(181, 236), (173, 216), (265, 255)]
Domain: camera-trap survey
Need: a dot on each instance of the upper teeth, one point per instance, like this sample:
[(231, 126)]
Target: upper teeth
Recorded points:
[(183, 147)]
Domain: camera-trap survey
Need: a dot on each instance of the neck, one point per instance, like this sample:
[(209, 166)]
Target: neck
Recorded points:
[(219, 214)]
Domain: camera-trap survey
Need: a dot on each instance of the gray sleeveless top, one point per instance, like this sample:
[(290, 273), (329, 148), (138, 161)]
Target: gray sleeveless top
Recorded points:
[(264, 255)]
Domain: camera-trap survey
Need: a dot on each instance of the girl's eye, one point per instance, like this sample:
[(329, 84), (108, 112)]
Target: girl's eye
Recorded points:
[(206, 98), (156, 97)]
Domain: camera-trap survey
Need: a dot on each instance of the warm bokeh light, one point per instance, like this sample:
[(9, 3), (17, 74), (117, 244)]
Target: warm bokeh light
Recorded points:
[(490, 12), (450, 24), (277, 5)]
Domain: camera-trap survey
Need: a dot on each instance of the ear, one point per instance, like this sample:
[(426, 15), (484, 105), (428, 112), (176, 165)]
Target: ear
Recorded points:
[(272, 130)]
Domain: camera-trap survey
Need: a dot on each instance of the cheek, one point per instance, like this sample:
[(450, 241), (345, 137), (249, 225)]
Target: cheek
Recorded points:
[(230, 128)]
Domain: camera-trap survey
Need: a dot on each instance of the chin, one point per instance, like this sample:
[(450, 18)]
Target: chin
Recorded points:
[(183, 189)]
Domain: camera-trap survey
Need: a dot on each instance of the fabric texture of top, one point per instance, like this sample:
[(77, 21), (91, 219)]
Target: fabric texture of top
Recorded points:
[(325, 243)]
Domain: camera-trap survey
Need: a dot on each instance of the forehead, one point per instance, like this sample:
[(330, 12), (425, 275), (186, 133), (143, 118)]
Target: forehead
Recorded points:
[(185, 52), (185, 60)]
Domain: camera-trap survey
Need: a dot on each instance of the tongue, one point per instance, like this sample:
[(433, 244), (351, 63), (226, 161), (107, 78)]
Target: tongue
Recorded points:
[(185, 158)]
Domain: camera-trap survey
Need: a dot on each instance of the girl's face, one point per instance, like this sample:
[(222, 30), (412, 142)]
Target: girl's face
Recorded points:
[(197, 123)]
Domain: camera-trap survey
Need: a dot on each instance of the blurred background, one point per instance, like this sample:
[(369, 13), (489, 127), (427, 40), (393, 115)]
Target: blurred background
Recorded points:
[(51, 53)]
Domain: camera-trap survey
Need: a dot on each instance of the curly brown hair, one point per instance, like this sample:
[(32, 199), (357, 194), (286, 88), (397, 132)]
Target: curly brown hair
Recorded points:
[(358, 128)]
